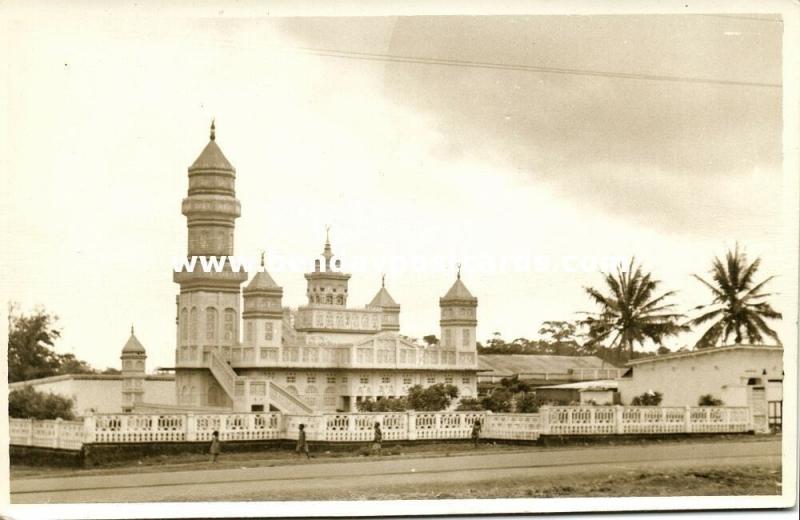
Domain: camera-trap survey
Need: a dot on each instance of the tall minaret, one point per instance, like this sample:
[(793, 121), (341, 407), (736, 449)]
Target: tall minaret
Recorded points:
[(327, 286), (458, 323), (133, 373), (390, 318), (208, 304)]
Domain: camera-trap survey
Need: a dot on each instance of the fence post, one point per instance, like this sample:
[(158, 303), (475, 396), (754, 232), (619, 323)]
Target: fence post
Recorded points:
[(89, 428), (619, 427), (191, 427), (412, 425), (29, 436), (688, 419), (57, 432), (544, 420)]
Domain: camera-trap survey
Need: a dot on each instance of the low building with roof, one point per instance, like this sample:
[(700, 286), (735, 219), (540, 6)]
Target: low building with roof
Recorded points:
[(101, 393), (603, 392), (541, 370), (739, 375)]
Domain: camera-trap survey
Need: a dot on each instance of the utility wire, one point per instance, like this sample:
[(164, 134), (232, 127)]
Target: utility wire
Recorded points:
[(334, 53)]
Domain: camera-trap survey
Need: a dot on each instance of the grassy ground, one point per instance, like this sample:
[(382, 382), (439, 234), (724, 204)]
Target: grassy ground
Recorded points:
[(700, 481), (185, 462)]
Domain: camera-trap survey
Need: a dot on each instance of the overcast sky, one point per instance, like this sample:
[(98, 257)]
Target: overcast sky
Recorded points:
[(399, 158)]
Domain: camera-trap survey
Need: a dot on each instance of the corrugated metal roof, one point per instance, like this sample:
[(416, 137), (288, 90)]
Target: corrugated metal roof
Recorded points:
[(519, 364)]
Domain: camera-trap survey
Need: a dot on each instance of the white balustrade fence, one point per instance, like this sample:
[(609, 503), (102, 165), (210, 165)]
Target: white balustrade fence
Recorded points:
[(60, 434), (609, 420), (359, 427), (511, 426)]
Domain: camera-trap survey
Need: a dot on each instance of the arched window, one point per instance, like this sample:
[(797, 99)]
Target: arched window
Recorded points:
[(193, 324), (330, 397), (340, 300), (184, 325), (211, 324), (249, 331), (329, 299), (230, 324)]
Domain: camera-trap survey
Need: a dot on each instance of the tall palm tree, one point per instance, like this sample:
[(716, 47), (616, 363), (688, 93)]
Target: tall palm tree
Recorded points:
[(631, 313), (738, 308)]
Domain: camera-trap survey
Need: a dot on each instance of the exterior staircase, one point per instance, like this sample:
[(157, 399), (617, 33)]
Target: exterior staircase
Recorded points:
[(286, 401), (222, 372), (279, 397)]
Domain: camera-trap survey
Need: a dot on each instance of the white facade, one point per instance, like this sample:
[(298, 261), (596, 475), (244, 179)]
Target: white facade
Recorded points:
[(323, 356), (101, 393), (728, 373)]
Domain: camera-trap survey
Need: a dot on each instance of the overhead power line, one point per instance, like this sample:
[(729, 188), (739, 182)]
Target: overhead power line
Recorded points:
[(352, 55)]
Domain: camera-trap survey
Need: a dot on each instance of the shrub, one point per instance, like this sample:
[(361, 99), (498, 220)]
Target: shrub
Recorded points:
[(709, 400), (432, 399), (526, 402), (27, 403), (469, 404), (647, 399), (500, 400)]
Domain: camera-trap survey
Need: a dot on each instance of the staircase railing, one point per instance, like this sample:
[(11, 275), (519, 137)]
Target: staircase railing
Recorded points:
[(223, 373), (286, 401)]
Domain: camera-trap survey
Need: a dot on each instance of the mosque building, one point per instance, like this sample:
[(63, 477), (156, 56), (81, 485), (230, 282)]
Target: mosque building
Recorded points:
[(243, 350)]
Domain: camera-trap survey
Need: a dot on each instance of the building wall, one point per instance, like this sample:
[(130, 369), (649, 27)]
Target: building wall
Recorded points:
[(723, 374), (337, 389), (104, 395)]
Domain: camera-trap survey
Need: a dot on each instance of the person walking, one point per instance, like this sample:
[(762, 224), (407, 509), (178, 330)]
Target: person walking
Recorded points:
[(476, 432), (302, 445), (214, 450), (377, 438)]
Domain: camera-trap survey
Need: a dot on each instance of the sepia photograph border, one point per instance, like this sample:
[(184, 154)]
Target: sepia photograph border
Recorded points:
[(790, 12)]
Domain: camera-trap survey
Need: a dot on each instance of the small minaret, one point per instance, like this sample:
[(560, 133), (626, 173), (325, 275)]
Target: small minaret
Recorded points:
[(327, 286), (390, 319), (458, 323), (133, 364), (263, 311)]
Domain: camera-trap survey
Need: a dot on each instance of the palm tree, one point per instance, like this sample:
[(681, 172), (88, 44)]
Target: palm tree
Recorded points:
[(738, 308), (631, 313)]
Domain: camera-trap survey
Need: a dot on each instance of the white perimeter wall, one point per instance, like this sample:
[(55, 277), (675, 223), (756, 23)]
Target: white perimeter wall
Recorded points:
[(105, 395)]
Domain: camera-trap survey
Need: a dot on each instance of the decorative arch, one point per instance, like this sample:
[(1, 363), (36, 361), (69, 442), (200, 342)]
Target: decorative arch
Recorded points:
[(193, 324), (230, 325), (211, 324), (184, 320)]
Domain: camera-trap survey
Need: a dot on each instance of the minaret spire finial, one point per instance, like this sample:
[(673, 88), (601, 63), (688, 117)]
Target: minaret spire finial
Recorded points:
[(327, 234), (263, 253), (131, 329), (458, 273), (383, 280), (213, 129)]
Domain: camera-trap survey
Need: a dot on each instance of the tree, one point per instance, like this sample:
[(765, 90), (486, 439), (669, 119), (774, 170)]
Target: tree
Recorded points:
[(31, 338), (514, 384), (27, 403), (30, 341), (69, 364), (662, 350), (392, 404), (737, 308), (469, 404), (431, 399), (648, 398), (631, 313), (430, 340)]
